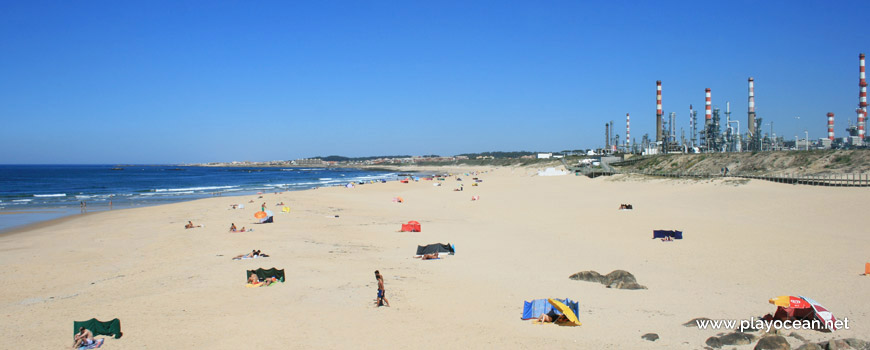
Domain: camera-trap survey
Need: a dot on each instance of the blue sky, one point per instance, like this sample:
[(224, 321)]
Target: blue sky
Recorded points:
[(171, 82)]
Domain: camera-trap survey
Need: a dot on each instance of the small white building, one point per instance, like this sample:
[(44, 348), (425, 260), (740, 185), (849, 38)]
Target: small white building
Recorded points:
[(544, 155)]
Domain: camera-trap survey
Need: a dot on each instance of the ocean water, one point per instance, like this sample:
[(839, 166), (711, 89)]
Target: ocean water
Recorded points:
[(33, 193)]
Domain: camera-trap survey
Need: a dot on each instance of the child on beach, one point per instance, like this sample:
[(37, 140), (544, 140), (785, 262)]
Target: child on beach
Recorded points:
[(382, 298)]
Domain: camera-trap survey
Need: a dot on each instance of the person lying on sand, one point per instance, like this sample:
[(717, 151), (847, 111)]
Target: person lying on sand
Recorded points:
[(254, 280), (428, 256), (83, 338), (551, 316), (253, 254), (191, 225)]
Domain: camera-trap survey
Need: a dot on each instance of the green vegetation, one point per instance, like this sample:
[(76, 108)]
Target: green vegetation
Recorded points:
[(756, 163), (844, 159)]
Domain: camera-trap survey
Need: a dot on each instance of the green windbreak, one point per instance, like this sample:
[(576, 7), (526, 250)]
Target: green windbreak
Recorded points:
[(96, 327), (263, 273)]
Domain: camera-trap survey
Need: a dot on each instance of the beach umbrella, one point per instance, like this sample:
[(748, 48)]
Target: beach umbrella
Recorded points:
[(572, 318), (267, 218), (790, 301), (260, 214), (804, 303), (822, 313)]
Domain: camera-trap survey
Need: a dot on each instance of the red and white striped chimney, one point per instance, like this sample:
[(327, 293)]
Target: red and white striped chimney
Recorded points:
[(708, 111), (751, 122), (862, 98), (658, 110), (627, 131), (830, 126)]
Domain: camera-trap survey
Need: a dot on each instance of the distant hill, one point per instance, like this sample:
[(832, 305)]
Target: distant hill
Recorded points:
[(757, 163)]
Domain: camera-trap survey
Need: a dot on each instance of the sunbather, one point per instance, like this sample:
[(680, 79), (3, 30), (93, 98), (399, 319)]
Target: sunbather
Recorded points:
[(255, 280), (233, 227), (83, 338), (191, 225), (551, 316), (428, 256), (253, 254)]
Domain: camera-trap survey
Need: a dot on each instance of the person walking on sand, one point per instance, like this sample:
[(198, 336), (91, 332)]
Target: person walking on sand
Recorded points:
[(263, 206), (382, 298)]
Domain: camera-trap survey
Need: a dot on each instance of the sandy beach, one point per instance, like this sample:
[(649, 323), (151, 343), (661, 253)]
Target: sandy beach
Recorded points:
[(178, 288)]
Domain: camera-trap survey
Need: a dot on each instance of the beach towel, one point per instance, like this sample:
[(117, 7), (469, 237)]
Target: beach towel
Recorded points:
[(247, 257), (666, 233), (97, 343), (96, 327)]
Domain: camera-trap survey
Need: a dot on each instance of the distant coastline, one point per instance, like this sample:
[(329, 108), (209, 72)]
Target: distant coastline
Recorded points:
[(34, 193)]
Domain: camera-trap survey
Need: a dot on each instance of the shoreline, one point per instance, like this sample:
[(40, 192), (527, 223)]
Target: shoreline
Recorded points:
[(73, 215), (35, 215)]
